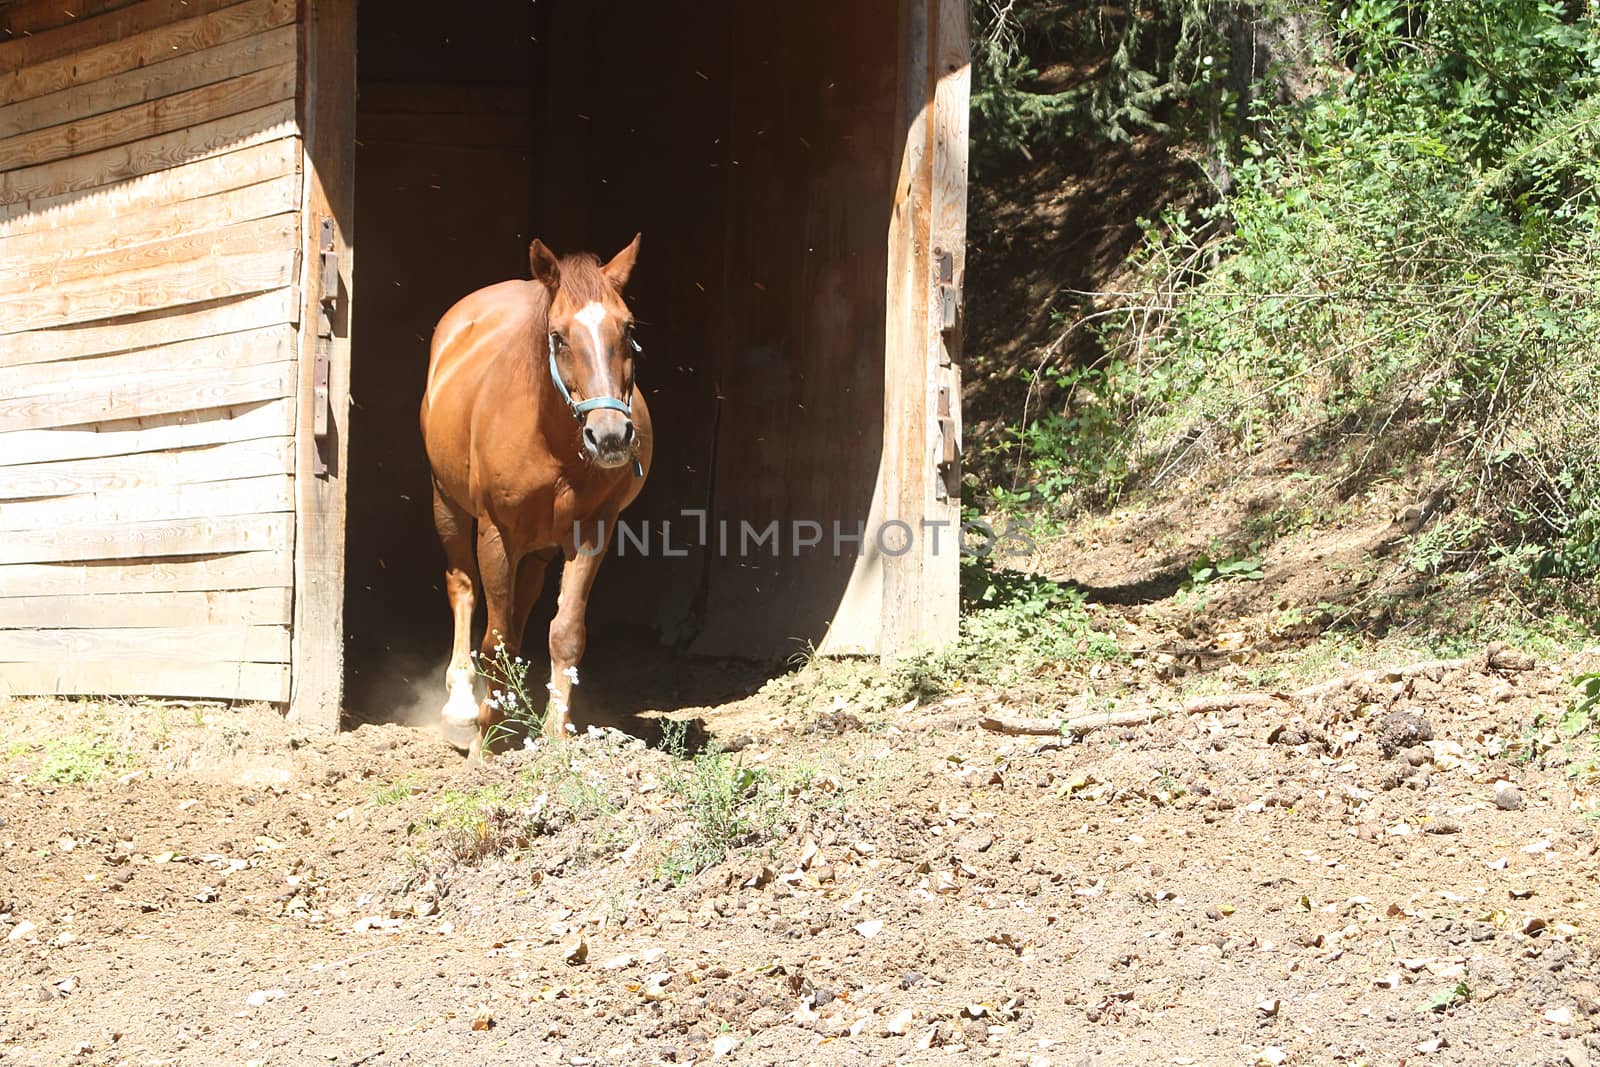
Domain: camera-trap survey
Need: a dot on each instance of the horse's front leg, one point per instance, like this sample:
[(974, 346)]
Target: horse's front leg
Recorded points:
[(569, 631), (497, 572)]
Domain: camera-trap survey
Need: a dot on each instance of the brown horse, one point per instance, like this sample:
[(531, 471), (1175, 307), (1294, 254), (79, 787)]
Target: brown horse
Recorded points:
[(537, 440)]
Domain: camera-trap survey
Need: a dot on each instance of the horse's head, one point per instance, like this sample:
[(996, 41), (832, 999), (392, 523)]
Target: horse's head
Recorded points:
[(591, 345)]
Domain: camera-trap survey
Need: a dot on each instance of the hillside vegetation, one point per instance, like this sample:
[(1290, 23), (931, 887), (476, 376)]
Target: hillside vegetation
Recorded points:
[(1383, 260)]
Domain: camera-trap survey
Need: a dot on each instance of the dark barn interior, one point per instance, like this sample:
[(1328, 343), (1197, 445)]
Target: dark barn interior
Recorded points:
[(755, 146)]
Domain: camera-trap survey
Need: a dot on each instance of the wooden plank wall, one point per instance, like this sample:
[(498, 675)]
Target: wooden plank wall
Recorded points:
[(799, 374), (150, 250), (921, 588)]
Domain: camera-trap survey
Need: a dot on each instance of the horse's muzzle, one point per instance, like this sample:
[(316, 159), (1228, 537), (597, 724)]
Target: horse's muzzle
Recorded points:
[(608, 438)]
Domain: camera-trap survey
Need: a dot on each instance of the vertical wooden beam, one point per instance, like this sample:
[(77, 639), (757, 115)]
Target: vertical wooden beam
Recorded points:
[(950, 78), (927, 229), (327, 117)]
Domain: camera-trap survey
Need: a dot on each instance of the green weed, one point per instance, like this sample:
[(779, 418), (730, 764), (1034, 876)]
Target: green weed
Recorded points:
[(727, 805), (393, 793), (77, 761), (507, 675)]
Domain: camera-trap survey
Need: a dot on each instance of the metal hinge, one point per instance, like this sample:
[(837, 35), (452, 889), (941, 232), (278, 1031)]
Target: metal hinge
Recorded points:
[(949, 306), (948, 485), (327, 313)]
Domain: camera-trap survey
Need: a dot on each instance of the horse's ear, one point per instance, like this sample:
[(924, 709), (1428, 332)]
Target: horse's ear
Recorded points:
[(621, 264), (545, 267)]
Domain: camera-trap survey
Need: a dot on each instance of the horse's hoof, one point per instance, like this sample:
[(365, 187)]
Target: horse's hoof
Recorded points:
[(462, 736)]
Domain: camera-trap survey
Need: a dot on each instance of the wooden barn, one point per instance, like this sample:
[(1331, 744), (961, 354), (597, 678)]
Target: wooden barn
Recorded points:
[(228, 226)]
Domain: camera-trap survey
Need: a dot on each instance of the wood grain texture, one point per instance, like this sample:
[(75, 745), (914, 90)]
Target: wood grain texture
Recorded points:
[(180, 430), (149, 329), (30, 190), (950, 74), (163, 470), (147, 540), (110, 268), (252, 348), (83, 35), (156, 45), (36, 16), (183, 74), (328, 91), (151, 503), (238, 607), (153, 678), (200, 644), (38, 227), (241, 570), (64, 252), (141, 121), (907, 457), (75, 403), (156, 288)]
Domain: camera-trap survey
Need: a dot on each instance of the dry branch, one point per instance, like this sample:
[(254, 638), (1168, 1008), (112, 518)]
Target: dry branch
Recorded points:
[(1495, 657)]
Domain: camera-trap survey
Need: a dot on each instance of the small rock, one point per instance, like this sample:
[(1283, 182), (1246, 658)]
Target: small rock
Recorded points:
[(1400, 730), (1443, 825), (23, 931), (1559, 1016), (898, 1023), (1291, 734), (1507, 797), (1509, 659), (910, 979), (1587, 996)]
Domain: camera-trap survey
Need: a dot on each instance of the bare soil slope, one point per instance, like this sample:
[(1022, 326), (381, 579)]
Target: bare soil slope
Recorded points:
[(1394, 868)]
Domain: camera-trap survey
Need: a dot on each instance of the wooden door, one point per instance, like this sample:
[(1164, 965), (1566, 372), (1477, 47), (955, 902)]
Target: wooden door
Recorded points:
[(921, 476), (327, 123), (154, 192)]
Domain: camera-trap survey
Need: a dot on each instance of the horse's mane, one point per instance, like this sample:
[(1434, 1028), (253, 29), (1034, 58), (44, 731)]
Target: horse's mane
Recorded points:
[(582, 280)]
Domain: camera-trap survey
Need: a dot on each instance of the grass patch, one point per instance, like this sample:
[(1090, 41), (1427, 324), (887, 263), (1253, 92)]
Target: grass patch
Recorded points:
[(727, 805), (1016, 630), (394, 792), (77, 760), (563, 784)]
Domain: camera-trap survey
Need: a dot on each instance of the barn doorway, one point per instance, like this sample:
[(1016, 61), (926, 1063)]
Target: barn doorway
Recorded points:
[(756, 150)]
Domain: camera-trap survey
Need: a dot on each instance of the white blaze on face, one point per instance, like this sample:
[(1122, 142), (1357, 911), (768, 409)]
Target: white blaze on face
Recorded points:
[(592, 315)]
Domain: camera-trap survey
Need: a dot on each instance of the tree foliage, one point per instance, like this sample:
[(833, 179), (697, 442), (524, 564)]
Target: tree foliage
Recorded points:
[(1409, 258), (1047, 69)]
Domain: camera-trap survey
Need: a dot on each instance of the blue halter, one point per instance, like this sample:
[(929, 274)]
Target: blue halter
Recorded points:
[(580, 408)]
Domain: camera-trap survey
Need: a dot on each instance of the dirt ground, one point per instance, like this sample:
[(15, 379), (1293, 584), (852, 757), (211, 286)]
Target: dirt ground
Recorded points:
[(1394, 866)]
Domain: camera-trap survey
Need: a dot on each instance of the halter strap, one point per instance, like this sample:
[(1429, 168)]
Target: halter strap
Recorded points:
[(580, 408)]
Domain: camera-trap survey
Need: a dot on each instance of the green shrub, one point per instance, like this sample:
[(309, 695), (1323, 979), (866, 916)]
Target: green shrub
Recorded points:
[(1044, 70), (1408, 261)]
